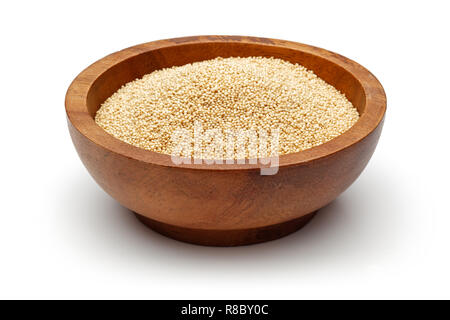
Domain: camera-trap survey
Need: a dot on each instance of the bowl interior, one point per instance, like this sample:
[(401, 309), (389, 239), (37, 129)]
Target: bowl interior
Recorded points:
[(143, 63)]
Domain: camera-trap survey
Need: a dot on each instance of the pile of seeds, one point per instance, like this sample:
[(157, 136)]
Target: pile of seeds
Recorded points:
[(252, 93)]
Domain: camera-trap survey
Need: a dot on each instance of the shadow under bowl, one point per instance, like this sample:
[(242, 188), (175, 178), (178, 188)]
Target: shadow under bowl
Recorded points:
[(223, 204)]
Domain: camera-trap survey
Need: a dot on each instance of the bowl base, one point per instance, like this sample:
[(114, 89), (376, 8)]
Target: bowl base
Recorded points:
[(227, 238)]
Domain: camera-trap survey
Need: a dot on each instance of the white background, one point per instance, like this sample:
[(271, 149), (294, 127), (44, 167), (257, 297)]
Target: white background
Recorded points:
[(387, 236)]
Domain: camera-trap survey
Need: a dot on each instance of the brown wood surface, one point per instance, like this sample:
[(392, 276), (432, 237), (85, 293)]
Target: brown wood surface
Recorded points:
[(222, 204)]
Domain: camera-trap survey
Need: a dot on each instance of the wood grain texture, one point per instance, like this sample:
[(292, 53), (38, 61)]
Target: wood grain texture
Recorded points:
[(222, 204)]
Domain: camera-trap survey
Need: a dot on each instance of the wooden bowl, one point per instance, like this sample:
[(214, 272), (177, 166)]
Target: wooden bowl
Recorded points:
[(222, 204)]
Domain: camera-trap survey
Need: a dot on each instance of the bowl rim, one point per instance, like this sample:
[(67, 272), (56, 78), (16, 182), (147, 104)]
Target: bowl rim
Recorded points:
[(79, 117)]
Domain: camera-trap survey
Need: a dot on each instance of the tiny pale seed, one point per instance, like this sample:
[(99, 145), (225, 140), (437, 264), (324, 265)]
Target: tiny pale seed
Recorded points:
[(228, 93)]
